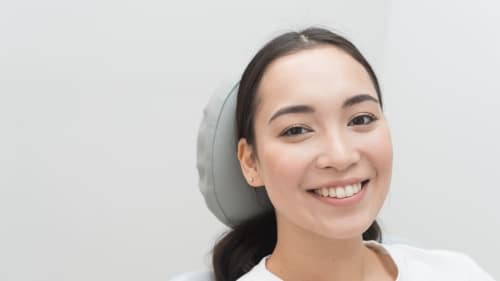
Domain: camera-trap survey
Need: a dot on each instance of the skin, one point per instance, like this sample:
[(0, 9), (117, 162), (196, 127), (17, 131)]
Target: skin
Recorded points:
[(332, 143)]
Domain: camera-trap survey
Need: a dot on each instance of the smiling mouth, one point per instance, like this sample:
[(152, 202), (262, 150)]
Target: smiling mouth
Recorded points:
[(340, 191)]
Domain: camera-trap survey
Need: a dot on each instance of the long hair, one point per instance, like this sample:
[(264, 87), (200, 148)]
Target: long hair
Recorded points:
[(245, 245)]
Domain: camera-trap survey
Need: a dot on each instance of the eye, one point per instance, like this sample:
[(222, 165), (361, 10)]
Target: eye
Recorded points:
[(360, 120), (294, 131)]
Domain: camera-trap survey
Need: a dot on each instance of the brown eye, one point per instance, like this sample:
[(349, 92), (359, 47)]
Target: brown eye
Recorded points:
[(295, 130), (362, 120)]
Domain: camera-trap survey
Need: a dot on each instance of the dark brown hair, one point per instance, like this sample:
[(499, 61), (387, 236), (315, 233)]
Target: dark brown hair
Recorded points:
[(244, 246)]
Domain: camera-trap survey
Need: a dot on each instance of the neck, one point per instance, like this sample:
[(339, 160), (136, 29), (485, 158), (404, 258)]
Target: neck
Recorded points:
[(302, 255)]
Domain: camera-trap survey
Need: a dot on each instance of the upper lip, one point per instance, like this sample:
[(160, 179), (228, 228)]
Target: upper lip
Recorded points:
[(336, 183)]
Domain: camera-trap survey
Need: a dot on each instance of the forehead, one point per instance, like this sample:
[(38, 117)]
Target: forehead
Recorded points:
[(323, 75)]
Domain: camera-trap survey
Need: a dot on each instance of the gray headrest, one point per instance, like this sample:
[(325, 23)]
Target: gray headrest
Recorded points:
[(221, 181)]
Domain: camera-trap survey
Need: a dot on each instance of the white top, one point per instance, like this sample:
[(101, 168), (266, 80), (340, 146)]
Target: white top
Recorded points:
[(414, 264)]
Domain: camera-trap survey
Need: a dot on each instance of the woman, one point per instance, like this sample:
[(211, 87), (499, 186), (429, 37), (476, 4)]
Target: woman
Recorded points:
[(313, 137)]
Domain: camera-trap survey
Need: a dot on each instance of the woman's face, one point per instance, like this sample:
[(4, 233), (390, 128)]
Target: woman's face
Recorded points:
[(320, 134)]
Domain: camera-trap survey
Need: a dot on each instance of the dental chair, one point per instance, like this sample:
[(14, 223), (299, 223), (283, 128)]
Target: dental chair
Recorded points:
[(220, 179)]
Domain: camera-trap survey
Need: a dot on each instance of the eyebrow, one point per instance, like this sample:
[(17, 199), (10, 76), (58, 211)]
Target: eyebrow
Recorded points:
[(357, 99)]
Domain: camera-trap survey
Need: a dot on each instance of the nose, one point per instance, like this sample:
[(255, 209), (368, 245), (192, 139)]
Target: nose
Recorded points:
[(337, 152)]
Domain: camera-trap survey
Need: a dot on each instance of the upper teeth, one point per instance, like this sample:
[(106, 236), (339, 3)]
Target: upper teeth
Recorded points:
[(339, 191)]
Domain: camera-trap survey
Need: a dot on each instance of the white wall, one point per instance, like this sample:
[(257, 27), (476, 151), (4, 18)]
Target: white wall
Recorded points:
[(100, 103), (440, 77)]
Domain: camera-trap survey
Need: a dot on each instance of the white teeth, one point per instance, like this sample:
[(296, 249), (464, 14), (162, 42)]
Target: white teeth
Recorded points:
[(349, 191), (331, 192), (324, 191), (339, 192)]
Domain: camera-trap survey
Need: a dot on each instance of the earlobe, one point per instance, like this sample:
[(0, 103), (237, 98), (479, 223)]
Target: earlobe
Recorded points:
[(248, 164)]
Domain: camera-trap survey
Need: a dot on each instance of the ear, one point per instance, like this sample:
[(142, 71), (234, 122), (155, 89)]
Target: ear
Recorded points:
[(248, 163)]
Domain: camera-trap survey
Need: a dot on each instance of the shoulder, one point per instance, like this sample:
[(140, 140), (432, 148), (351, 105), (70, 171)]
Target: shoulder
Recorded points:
[(435, 264)]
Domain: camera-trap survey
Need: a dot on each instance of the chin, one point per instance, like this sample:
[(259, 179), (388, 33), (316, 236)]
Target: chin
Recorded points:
[(345, 231)]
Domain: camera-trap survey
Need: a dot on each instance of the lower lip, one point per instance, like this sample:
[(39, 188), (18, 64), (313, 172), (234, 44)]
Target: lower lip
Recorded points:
[(342, 202)]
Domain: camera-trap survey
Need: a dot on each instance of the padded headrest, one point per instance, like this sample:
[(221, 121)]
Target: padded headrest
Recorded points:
[(221, 181)]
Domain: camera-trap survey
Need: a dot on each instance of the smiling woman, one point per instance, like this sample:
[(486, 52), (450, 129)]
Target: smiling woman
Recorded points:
[(312, 137), (335, 152)]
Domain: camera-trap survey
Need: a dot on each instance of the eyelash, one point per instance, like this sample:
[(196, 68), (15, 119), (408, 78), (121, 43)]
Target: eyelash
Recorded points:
[(372, 118), (289, 129)]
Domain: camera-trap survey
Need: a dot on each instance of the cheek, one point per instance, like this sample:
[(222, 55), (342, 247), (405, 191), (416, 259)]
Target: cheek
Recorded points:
[(283, 166), (378, 149), (384, 151), (279, 159)]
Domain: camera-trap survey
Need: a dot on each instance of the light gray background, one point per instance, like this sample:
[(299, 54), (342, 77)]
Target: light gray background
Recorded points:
[(100, 103)]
